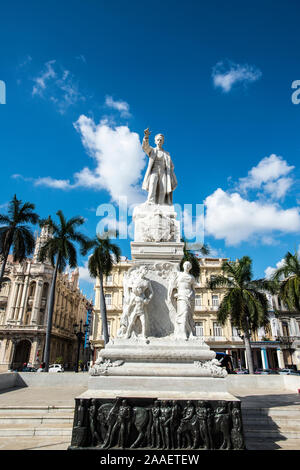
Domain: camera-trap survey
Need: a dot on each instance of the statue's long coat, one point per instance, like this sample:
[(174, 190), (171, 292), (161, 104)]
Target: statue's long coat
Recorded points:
[(169, 179)]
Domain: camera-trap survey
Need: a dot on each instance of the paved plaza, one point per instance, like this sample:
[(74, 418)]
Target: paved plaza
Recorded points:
[(280, 409)]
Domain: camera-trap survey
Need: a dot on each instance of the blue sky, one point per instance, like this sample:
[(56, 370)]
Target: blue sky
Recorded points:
[(85, 78)]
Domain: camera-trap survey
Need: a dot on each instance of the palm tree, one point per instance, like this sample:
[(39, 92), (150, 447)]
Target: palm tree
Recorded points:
[(104, 256), (60, 250), (288, 279), (189, 255), (244, 302), (14, 232)]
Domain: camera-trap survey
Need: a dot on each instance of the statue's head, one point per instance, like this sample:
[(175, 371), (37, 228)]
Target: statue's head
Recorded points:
[(159, 140), (187, 266)]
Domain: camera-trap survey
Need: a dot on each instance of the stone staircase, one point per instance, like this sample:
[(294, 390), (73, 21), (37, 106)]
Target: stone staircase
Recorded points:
[(33, 421), (268, 428), (265, 428)]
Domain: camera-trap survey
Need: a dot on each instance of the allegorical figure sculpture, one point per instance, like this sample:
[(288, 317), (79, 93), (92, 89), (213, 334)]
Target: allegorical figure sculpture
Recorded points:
[(137, 294), (160, 180), (185, 284)]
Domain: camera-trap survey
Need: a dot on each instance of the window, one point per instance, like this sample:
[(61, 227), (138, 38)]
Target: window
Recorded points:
[(215, 300), (198, 299), (109, 279), (285, 329), (217, 329), (108, 298), (234, 331), (199, 328)]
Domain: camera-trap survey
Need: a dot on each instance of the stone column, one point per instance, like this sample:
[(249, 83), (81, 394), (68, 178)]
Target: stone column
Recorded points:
[(18, 303), (24, 297), (246, 360), (280, 358), (13, 300), (37, 301), (264, 358), (12, 353)]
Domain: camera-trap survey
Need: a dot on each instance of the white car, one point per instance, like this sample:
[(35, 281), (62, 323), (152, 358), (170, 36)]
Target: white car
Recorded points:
[(56, 368)]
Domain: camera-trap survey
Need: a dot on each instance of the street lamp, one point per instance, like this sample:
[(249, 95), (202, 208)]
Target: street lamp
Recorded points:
[(80, 335), (239, 332)]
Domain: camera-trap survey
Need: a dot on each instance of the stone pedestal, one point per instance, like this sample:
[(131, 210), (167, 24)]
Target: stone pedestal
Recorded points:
[(157, 385)]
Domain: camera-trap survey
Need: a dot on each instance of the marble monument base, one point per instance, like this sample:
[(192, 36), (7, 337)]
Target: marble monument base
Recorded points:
[(164, 395)]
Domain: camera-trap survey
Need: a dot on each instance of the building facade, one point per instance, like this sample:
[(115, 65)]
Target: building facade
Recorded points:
[(24, 298), (273, 347)]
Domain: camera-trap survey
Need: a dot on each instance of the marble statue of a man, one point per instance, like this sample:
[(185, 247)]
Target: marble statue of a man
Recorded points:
[(160, 180), (185, 285)]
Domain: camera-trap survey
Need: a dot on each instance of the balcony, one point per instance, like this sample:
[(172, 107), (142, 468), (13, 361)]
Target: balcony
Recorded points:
[(214, 339), (201, 308), (289, 341)]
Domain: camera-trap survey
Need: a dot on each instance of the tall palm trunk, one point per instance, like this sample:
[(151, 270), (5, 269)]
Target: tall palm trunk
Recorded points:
[(50, 317), (103, 310), (248, 346), (5, 257), (3, 268)]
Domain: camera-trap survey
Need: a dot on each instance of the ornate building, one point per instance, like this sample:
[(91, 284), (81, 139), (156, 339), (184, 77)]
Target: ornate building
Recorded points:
[(24, 299), (276, 346)]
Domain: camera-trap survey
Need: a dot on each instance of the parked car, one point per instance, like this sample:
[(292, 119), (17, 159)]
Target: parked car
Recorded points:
[(265, 371), (242, 371), (56, 368), (29, 369), (288, 372)]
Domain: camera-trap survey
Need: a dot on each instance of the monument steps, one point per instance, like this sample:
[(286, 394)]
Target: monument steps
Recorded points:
[(36, 421), (276, 425)]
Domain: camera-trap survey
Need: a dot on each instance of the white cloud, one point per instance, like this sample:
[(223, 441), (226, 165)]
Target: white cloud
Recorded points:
[(270, 176), (42, 80), (84, 274), (120, 106), (226, 74), (269, 271), (52, 183), (235, 219), (119, 159), (58, 85)]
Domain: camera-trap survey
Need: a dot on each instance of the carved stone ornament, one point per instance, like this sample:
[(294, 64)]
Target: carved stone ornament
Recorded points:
[(101, 368), (213, 367), (130, 423)]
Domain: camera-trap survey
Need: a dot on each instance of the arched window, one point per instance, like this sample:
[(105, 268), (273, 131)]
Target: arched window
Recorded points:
[(45, 290), (5, 288)]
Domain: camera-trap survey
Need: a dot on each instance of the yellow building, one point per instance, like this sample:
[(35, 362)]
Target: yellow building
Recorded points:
[(24, 298)]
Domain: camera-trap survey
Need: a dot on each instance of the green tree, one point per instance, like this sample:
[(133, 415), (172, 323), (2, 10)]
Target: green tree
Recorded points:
[(288, 279), (245, 302), (60, 250), (189, 255), (105, 255), (15, 234)]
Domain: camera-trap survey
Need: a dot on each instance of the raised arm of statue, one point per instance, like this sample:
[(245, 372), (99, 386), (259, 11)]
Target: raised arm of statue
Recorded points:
[(146, 146)]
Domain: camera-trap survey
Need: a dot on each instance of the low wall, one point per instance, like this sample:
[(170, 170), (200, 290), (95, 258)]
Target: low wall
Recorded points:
[(236, 383), (9, 380), (262, 383), (50, 379)]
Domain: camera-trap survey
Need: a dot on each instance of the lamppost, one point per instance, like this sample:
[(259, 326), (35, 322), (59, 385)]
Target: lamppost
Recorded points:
[(80, 335)]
